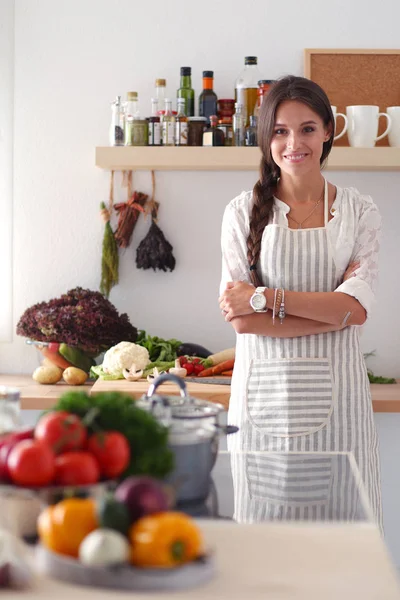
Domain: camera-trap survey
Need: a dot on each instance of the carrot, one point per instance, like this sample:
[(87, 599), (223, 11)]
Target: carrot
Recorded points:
[(230, 373), (227, 365), (55, 358)]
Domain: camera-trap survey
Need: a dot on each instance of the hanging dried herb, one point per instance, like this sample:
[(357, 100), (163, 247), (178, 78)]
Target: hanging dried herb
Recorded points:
[(154, 251), (128, 215), (109, 257)]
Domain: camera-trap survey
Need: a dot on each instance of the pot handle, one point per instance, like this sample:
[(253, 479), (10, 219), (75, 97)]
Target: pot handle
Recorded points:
[(227, 429), (168, 377)]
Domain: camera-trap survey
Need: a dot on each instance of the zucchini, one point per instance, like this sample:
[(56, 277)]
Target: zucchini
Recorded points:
[(219, 357)]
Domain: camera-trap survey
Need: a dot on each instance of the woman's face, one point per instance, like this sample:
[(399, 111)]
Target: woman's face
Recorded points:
[(298, 137)]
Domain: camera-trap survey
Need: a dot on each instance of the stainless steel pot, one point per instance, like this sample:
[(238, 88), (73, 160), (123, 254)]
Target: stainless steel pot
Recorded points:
[(194, 431)]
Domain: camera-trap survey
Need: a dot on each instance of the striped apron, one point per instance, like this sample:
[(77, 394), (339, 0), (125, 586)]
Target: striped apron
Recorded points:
[(309, 393)]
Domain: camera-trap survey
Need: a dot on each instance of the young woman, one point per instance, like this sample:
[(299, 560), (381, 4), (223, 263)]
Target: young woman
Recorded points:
[(299, 268)]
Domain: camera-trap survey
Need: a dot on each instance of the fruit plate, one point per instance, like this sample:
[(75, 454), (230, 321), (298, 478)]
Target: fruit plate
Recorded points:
[(125, 577)]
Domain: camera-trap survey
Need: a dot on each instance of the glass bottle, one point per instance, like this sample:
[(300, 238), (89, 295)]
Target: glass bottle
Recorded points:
[(154, 124), (208, 98), (161, 85), (181, 124), (186, 91), (168, 125), (251, 132), (116, 133), (246, 87), (212, 135), (239, 126)]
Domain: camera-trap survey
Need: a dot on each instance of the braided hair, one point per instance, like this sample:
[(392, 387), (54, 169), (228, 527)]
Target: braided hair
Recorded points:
[(287, 88)]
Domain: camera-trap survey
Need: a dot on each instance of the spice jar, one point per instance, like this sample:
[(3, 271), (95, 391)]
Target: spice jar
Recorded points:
[(226, 126), (226, 108), (136, 132), (195, 132)]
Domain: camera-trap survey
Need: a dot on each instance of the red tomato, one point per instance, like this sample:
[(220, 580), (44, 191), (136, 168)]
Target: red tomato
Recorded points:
[(63, 431), (76, 468), (198, 368), (112, 452), (31, 463), (182, 360), (189, 367), (195, 360), (4, 454)]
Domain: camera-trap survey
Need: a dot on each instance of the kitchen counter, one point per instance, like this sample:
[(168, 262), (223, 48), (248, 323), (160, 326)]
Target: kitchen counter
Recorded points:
[(341, 557), (34, 396)]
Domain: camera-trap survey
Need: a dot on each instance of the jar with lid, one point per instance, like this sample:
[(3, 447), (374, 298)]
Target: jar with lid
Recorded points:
[(196, 129), (264, 86), (226, 108), (226, 127)]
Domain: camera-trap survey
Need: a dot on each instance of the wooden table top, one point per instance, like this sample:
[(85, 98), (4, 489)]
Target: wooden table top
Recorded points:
[(272, 560), (35, 396)]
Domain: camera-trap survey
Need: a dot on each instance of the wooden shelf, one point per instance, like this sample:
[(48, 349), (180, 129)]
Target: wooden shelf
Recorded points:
[(197, 158)]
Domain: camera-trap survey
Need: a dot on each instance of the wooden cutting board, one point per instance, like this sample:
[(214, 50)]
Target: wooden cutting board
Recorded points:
[(205, 391)]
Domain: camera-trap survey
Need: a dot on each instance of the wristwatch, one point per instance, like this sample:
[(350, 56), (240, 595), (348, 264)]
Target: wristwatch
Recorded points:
[(258, 301)]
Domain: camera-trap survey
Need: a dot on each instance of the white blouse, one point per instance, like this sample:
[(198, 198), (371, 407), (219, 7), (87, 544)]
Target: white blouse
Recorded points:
[(354, 234)]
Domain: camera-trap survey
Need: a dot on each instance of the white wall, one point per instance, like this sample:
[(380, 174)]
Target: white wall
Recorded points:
[(71, 59), (6, 153)]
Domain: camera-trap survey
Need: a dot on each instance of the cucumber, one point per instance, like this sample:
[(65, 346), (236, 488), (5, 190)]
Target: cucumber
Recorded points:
[(76, 357)]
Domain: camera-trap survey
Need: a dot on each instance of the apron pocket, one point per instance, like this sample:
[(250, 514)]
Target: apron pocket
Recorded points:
[(288, 397)]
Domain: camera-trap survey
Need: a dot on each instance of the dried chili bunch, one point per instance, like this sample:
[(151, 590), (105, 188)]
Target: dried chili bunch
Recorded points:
[(128, 214)]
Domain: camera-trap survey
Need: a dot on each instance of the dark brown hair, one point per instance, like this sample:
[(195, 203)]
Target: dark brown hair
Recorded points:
[(288, 88)]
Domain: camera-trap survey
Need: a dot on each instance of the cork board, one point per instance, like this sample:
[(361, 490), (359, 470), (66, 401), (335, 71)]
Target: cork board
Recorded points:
[(356, 77)]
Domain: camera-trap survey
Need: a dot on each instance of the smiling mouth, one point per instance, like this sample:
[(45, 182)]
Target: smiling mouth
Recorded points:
[(295, 157)]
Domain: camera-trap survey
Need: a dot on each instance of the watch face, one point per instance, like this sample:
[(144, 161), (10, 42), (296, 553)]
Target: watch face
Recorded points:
[(259, 301)]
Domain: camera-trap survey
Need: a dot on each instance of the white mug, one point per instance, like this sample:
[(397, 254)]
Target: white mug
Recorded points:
[(363, 125), (336, 115), (394, 133)]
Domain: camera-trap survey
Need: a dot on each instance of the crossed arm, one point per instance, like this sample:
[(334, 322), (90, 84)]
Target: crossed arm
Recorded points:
[(307, 313)]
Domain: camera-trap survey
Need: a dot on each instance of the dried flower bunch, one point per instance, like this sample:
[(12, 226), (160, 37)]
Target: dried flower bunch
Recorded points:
[(81, 318)]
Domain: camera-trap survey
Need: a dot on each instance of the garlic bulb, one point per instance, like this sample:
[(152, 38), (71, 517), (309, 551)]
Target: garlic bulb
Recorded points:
[(104, 547)]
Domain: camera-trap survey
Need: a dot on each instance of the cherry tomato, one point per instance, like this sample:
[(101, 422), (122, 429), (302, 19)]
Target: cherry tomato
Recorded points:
[(112, 452), (4, 454), (198, 368), (182, 360), (63, 431), (76, 468), (31, 463), (195, 360), (189, 367)]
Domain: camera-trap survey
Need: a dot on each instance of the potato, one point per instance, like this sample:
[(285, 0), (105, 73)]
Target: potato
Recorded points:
[(47, 375), (74, 376)]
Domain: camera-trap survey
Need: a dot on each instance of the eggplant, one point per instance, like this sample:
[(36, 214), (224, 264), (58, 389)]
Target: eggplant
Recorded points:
[(189, 349)]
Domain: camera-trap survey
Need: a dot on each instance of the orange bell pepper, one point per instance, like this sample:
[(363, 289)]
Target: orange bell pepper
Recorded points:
[(166, 539), (63, 527)]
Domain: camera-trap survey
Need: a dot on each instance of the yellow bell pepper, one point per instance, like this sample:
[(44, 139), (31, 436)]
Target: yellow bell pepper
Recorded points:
[(166, 539), (63, 527)]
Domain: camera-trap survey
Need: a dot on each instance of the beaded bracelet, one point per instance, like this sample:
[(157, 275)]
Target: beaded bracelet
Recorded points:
[(282, 313), (274, 306)]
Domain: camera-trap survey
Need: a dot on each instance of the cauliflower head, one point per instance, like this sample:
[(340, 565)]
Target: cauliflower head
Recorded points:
[(123, 356)]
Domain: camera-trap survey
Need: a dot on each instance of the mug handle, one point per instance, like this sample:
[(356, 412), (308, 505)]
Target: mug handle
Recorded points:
[(388, 128), (346, 123)]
